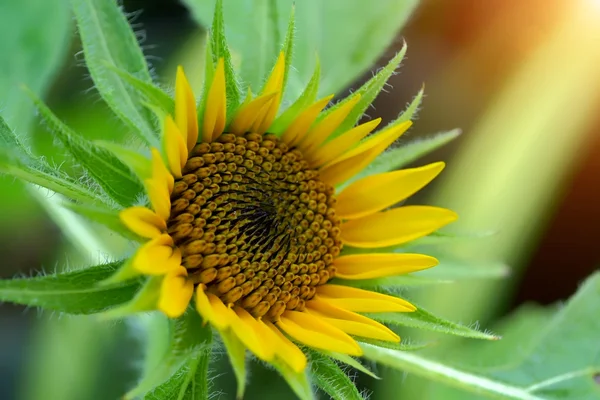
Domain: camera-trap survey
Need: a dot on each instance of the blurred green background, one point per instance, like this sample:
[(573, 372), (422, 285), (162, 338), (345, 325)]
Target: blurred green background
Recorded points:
[(520, 78)]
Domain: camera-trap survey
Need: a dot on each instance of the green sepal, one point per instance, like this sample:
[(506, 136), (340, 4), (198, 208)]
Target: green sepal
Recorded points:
[(422, 319), (368, 92), (74, 292), (105, 216), (187, 339), (220, 49), (38, 172), (354, 363), (392, 282), (298, 381), (236, 351), (404, 345), (9, 138), (147, 90), (145, 300), (330, 378), (209, 72), (107, 38), (307, 97), (126, 273), (288, 46), (140, 165), (106, 169)]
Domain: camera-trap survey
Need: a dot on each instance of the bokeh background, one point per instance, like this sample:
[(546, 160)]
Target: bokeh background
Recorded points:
[(520, 78)]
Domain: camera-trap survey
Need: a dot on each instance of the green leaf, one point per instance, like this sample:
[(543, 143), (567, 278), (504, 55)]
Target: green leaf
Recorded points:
[(108, 40), (140, 165), (35, 41), (423, 319), (236, 351), (346, 359), (368, 92), (104, 216), (391, 283), (220, 49), (551, 353), (75, 292), (184, 350), (404, 345), (407, 153), (9, 138), (330, 378), (297, 380), (111, 174), (38, 172)]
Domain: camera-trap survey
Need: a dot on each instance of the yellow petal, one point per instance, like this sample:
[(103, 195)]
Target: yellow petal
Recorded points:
[(359, 300), (215, 113), (396, 226), (160, 173), (316, 338), (174, 147), (143, 221), (159, 197), (285, 350), (175, 293), (266, 116), (355, 160), (248, 113), (338, 146), (297, 129), (185, 109), (335, 313), (252, 335), (377, 192), (321, 131), (212, 309), (369, 266), (157, 256)]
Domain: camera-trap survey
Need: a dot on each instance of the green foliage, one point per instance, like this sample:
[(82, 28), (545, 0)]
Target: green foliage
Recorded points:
[(179, 366), (331, 379), (75, 292), (423, 319), (109, 41), (111, 174), (348, 36), (36, 37), (298, 381), (236, 351)]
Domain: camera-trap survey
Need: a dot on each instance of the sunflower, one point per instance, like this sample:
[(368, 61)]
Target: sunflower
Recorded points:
[(250, 226)]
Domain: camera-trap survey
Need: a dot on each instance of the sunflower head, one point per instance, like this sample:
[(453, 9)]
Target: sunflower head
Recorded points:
[(253, 213)]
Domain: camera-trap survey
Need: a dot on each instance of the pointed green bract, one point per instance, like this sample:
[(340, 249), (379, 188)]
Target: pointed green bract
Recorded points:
[(108, 39), (187, 341), (75, 292), (146, 299), (346, 359), (209, 71), (236, 351), (111, 174), (288, 45), (104, 216), (146, 90), (220, 49), (307, 97), (140, 165), (9, 138), (190, 382), (423, 319), (368, 93), (404, 345), (330, 378), (298, 381)]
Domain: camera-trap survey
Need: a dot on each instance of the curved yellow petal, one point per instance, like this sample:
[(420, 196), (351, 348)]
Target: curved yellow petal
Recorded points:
[(396, 226), (377, 192), (318, 339), (215, 113), (249, 112), (297, 129), (369, 266), (175, 293), (335, 313), (274, 83), (285, 350), (338, 146), (174, 146), (143, 221), (160, 173), (355, 160), (157, 256), (159, 197), (185, 109), (359, 300), (324, 128), (252, 335), (212, 309)]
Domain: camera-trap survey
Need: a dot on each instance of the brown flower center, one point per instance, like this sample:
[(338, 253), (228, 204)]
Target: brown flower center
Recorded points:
[(254, 223)]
